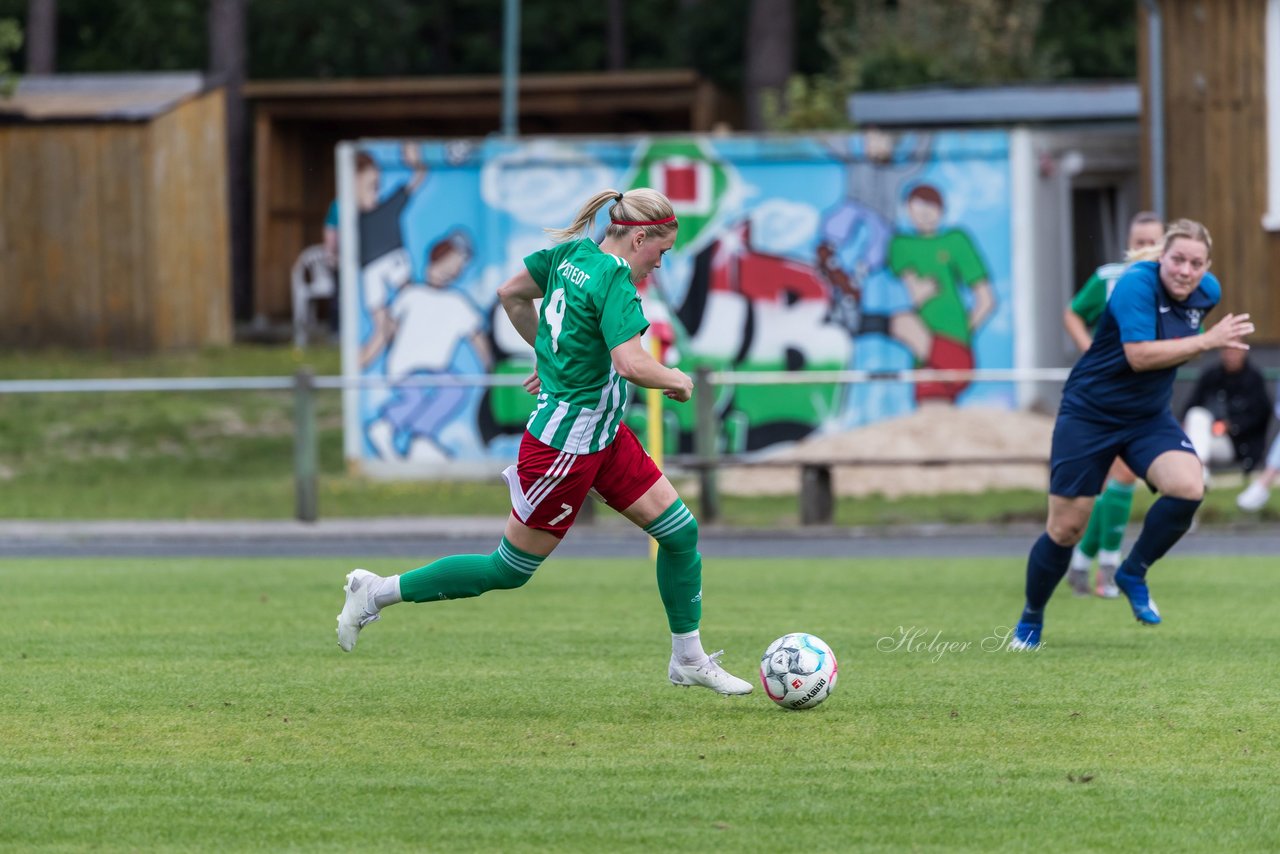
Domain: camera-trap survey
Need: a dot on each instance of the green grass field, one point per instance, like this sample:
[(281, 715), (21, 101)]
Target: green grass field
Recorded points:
[(204, 705)]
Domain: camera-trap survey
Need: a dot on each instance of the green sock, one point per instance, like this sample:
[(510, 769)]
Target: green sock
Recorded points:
[(1116, 504), (1093, 534), (464, 576), (679, 567)]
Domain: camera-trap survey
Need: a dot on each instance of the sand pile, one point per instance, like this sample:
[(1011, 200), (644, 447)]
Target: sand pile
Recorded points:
[(932, 432)]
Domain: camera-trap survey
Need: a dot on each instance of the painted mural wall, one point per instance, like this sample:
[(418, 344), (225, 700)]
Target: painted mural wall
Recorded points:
[(866, 250)]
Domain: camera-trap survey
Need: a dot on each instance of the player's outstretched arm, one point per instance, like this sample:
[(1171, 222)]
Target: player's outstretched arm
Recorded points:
[(984, 303), (1227, 333), (636, 366), (1076, 328), (384, 329), (517, 295), (412, 157)]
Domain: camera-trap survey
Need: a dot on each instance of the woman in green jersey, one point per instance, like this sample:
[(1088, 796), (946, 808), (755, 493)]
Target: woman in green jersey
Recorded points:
[(586, 333)]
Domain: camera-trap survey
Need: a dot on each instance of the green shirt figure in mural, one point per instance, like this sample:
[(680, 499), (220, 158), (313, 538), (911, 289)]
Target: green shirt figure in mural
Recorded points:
[(949, 259), (590, 306), (933, 265)]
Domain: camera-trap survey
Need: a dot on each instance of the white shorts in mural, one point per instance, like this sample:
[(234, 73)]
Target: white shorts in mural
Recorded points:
[(382, 277)]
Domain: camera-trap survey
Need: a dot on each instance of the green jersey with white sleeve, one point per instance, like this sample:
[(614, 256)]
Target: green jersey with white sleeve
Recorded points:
[(1092, 297), (589, 306)]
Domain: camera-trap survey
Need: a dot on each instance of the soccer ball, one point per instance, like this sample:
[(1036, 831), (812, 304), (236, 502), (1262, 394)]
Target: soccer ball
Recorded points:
[(798, 671)]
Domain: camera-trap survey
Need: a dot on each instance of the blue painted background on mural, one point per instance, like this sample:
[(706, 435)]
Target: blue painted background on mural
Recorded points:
[(866, 250)]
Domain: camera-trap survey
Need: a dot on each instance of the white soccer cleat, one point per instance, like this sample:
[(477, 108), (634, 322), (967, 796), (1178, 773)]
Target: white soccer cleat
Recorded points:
[(708, 674), (1078, 572), (358, 611), (1078, 579), (1254, 497), (1108, 563)]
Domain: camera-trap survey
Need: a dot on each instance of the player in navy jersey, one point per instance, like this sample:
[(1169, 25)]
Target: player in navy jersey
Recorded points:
[(1105, 533), (1116, 403)]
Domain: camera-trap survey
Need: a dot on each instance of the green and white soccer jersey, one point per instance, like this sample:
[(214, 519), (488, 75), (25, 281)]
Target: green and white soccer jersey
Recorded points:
[(1092, 298), (589, 306)]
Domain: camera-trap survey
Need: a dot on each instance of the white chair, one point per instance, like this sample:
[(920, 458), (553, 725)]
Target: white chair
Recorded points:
[(312, 279)]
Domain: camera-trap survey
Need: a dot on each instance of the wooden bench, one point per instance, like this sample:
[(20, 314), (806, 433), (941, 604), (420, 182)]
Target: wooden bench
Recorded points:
[(816, 495)]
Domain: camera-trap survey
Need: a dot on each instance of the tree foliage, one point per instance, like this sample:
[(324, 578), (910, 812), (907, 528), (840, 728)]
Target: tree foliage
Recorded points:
[(367, 38), (961, 42), (894, 44), (816, 102), (841, 45), (10, 41), (1094, 39)]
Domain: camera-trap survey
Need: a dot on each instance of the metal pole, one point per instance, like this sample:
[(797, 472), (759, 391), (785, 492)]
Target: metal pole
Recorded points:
[(510, 67), (656, 437), (1155, 103), (305, 452), (705, 431)]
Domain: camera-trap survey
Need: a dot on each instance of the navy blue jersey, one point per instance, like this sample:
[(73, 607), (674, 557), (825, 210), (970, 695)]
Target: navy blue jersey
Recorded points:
[(1102, 386)]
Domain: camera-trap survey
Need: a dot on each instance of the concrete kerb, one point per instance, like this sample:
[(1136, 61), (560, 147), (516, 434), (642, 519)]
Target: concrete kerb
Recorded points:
[(250, 529), (434, 527), (468, 527)]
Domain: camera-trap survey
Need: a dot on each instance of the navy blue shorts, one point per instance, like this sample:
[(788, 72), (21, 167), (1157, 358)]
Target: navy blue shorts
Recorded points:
[(1083, 450)]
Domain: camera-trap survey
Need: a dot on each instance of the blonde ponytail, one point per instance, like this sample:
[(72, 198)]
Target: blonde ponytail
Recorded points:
[(1146, 253), (586, 217), (641, 205)]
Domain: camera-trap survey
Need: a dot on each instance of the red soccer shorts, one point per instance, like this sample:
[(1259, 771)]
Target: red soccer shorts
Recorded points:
[(548, 486), (945, 354)]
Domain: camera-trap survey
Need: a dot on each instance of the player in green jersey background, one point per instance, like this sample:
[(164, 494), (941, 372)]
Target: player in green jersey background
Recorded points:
[(1110, 515), (576, 304)]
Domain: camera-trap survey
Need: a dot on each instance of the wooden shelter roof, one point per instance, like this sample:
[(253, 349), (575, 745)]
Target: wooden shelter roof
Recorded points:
[(475, 96), (98, 97)]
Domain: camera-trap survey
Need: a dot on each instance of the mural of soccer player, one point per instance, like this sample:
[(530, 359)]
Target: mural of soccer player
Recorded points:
[(384, 263), (934, 264), (750, 310), (855, 233), (428, 322), (738, 305)]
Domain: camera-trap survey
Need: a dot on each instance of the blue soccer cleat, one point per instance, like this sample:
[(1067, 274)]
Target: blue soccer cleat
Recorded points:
[(1135, 588), (1026, 636)]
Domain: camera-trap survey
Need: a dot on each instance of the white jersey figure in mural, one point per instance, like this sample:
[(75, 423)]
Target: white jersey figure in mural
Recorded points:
[(427, 323), (384, 263)]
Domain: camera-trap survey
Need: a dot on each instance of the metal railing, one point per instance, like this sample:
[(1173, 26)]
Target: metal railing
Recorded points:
[(705, 460)]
